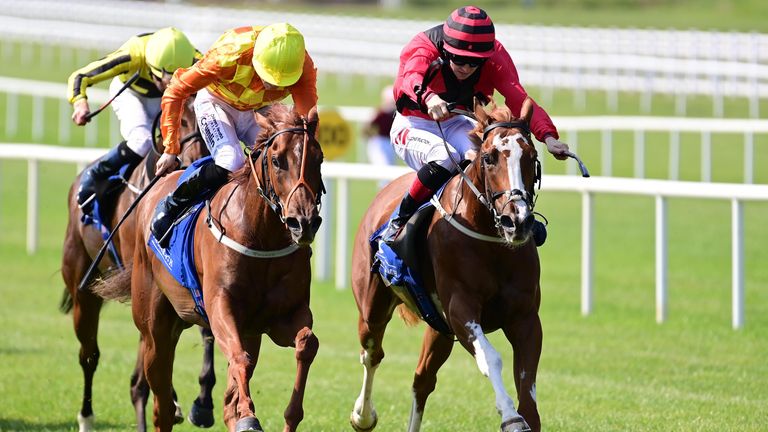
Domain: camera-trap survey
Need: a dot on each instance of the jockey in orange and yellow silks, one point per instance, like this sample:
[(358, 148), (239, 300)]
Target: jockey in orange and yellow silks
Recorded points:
[(246, 69)]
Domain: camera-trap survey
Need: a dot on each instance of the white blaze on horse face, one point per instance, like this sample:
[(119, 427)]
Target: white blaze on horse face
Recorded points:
[(511, 145), (489, 362)]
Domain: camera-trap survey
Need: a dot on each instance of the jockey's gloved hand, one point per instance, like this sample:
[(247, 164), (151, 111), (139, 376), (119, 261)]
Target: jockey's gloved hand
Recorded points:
[(167, 163), (81, 110), (556, 147), (437, 108)]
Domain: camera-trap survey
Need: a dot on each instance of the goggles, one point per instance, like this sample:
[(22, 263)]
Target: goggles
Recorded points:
[(472, 62)]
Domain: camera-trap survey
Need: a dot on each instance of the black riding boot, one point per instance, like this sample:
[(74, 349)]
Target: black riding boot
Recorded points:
[(108, 165), (428, 180), (199, 186)]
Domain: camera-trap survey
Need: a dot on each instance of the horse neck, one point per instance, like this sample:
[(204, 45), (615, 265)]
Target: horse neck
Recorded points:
[(463, 199), (248, 217)]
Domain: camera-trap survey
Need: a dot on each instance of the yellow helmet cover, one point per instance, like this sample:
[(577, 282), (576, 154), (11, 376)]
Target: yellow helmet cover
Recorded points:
[(167, 50), (278, 54)]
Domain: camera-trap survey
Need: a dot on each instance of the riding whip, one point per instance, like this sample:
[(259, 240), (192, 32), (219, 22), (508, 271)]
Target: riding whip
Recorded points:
[(582, 167), (127, 84), (100, 255)]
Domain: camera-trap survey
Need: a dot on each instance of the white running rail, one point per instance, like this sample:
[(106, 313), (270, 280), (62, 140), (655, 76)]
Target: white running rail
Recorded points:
[(343, 173)]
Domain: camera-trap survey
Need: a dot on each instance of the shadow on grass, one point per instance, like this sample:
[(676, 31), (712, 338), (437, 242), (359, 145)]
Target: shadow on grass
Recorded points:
[(24, 425)]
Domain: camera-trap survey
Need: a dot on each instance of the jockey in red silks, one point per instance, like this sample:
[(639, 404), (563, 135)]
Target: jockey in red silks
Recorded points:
[(452, 63)]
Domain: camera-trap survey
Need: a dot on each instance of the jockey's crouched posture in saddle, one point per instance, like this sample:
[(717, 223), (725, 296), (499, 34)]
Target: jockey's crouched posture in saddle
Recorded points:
[(246, 69), (148, 60), (461, 59)]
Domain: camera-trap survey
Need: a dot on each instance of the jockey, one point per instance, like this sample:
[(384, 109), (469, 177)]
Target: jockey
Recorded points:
[(151, 58), (246, 69), (461, 59)]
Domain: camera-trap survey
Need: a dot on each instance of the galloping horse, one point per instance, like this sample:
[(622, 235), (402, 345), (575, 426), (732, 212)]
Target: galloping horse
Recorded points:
[(252, 258), (478, 261), (82, 243)]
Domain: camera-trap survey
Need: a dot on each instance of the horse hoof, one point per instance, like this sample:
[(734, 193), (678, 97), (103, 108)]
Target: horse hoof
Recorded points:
[(86, 423), (248, 424), (355, 420), (200, 416), (515, 424), (178, 416)]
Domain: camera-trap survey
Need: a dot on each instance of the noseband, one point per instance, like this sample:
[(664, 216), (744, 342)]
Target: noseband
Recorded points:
[(271, 195), (511, 194), (489, 196)]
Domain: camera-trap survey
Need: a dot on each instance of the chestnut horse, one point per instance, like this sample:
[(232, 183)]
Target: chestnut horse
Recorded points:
[(82, 243), (252, 257), (478, 261)]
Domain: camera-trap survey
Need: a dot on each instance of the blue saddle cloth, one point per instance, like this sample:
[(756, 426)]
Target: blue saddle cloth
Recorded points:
[(97, 219), (179, 257), (396, 272)]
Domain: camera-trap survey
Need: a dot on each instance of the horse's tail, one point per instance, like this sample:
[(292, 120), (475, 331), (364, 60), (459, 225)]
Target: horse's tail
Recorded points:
[(67, 303), (409, 318), (116, 286)]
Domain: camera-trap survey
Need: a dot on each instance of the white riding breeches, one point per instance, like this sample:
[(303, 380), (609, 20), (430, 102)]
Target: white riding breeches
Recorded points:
[(418, 141), (223, 127), (136, 114)]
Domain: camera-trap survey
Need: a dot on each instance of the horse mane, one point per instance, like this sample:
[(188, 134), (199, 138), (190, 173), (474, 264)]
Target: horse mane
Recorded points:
[(275, 117)]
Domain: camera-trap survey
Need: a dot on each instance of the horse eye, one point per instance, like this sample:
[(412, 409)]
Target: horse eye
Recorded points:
[(275, 163), (488, 159)]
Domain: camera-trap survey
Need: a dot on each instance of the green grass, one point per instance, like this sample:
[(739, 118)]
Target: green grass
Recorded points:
[(614, 370)]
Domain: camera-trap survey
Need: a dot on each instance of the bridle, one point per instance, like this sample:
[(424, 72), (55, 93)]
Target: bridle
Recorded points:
[(268, 191), (511, 195), (488, 197)]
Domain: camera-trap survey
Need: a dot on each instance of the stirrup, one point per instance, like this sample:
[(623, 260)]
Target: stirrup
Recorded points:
[(393, 230)]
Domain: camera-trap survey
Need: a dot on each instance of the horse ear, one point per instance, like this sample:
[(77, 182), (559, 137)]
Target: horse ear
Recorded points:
[(312, 120), (526, 112), (262, 120)]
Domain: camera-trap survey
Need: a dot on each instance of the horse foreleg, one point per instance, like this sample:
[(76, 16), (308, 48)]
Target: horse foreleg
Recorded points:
[(306, 348), (242, 354), (526, 339), (435, 349), (201, 413), (489, 362)]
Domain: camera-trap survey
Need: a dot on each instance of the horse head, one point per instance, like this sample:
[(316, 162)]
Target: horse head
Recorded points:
[(290, 177), (508, 169)]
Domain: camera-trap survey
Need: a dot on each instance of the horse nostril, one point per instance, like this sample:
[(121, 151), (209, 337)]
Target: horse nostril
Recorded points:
[(507, 222), (293, 223), (315, 223)]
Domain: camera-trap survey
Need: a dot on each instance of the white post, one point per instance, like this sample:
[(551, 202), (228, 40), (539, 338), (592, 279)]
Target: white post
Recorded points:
[(38, 118), (607, 153), (706, 156), (586, 253), (639, 154), (65, 125), (11, 114), (661, 259), (749, 156), (737, 262), (32, 206), (674, 155), (342, 225), (92, 132)]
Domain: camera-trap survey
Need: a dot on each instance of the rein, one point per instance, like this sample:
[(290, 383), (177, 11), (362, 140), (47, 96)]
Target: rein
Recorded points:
[(489, 197), (270, 196)]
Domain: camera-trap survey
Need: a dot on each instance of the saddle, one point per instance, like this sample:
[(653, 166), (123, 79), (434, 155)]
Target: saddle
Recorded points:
[(398, 265)]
